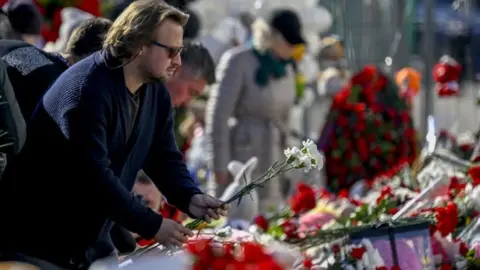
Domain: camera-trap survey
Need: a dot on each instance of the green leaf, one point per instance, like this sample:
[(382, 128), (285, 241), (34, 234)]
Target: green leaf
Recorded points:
[(275, 231), (387, 146), (337, 153), (355, 94)]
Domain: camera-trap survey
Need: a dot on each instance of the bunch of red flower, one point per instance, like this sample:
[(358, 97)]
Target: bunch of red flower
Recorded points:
[(304, 199), (447, 218), (446, 74), (369, 130), (228, 255)]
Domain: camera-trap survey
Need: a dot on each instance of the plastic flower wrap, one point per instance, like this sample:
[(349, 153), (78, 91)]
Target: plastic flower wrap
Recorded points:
[(369, 130), (307, 158), (446, 74)]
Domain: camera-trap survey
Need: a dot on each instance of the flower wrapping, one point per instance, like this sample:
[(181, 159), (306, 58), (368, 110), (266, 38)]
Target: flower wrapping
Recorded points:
[(369, 131), (446, 74)]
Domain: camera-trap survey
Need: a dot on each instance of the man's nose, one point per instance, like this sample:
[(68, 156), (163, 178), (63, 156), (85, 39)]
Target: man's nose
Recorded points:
[(177, 60)]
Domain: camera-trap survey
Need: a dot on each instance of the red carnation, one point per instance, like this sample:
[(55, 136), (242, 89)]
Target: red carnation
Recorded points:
[(261, 222), (357, 253), (304, 199)]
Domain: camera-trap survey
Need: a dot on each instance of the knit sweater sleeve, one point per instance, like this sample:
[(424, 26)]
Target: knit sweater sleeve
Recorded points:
[(82, 111), (165, 165)]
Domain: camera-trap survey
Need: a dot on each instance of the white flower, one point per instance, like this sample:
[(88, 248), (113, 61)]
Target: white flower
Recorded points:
[(312, 151), (307, 158), (293, 155), (305, 163)]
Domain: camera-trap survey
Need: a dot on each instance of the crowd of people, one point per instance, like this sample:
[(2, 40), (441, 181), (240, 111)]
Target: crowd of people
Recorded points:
[(96, 121)]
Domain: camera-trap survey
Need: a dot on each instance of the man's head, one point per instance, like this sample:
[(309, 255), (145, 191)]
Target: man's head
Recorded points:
[(148, 33), (149, 192), (26, 20), (87, 38), (197, 71)]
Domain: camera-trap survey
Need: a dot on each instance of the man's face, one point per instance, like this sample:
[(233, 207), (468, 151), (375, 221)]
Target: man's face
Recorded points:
[(150, 194), (161, 59), (183, 87)]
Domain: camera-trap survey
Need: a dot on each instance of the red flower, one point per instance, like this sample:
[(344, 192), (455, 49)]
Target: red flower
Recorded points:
[(307, 263), (304, 199), (290, 229), (446, 266), (365, 77), (335, 249), (357, 253), (344, 194), (474, 173), (261, 222), (463, 249), (247, 255), (447, 218), (324, 194), (393, 211), (396, 267), (381, 268), (384, 193)]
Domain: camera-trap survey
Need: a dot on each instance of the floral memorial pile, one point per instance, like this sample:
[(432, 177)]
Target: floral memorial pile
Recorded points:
[(413, 215), (368, 132)]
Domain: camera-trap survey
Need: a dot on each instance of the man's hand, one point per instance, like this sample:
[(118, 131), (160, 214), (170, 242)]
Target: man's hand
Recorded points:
[(207, 207), (172, 233)]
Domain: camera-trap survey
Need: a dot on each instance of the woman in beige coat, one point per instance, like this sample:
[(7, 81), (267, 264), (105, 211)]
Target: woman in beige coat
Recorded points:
[(248, 109)]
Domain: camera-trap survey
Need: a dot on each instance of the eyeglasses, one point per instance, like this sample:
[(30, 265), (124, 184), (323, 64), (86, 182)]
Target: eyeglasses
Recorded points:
[(172, 51)]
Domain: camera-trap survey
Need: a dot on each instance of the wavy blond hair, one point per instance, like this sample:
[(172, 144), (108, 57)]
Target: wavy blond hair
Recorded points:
[(262, 35), (134, 28)]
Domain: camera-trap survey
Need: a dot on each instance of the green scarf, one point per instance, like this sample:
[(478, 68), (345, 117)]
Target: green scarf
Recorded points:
[(270, 67)]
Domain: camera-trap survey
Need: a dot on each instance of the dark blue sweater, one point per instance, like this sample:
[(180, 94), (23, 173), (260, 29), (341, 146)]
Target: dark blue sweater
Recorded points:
[(77, 168)]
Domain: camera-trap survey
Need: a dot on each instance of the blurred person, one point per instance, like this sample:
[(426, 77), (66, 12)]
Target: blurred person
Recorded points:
[(32, 70), (197, 71), (26, 20), (52, 10), (71, 19), (146, 189), (193, 26), (227, 34), (103, 120), (249, 108), (331, 59), (6, 30)]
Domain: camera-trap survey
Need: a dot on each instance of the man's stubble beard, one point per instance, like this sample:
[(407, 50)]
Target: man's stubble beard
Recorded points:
[(150, 78)]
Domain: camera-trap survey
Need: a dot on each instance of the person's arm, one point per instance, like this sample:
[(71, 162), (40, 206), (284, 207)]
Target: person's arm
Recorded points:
[(223, 98), (165, 166), (86, 128)]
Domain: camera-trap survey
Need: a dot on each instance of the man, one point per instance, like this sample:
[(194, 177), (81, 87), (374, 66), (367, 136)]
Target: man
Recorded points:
[(189, 81), (32, 70), (26, 20), (103, 120), (197, 71)]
